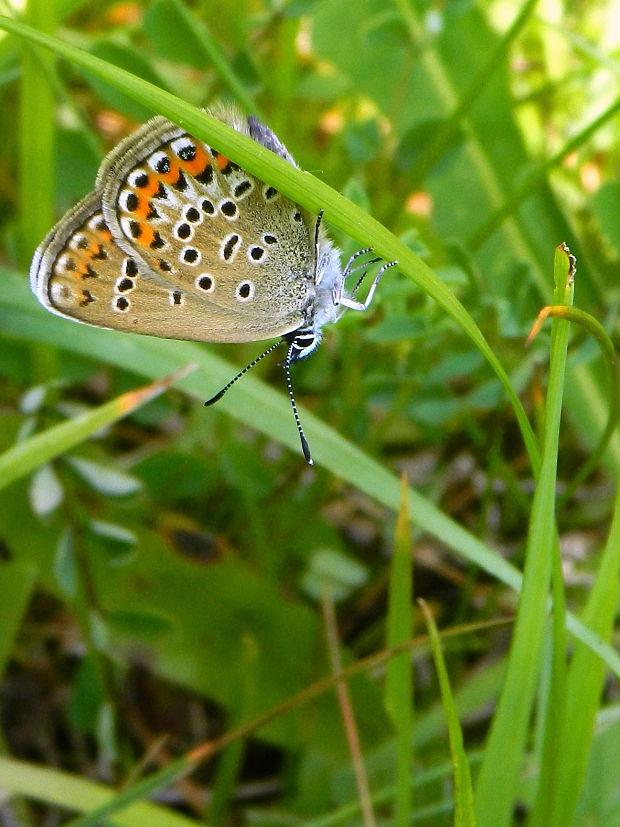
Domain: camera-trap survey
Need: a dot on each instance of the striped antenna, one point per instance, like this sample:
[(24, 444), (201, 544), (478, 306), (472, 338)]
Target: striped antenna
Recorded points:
[(289, 385), (221, 393)]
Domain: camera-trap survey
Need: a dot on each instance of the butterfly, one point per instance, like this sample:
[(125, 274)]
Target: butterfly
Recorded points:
[(178, 241)]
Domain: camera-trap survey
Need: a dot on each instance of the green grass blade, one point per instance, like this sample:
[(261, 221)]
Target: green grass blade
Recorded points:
[(598, 332), (586, 681), (464, 815), (36, 136), (69, 792), (497, 781), (399, 681)]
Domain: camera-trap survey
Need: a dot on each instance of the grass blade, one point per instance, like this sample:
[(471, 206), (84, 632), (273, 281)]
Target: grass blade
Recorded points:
[(399, 681), (464, 815), (497, 781)]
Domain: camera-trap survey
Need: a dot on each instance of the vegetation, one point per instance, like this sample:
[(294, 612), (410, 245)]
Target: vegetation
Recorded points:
[(189, 613)]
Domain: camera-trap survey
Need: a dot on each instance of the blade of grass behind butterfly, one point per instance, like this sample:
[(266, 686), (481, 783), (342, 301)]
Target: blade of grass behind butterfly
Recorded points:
[(399, 680), (36, 135), (268, 411), (303, 188), (562, 768), (165, 16), (596, 329)]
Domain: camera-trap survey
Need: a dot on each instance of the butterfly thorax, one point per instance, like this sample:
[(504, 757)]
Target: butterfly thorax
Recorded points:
[(328, 285), (324, 306)]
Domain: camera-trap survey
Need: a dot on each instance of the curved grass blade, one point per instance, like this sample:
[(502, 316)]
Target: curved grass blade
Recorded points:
[(596, 329), (464, 815), (302, 187)]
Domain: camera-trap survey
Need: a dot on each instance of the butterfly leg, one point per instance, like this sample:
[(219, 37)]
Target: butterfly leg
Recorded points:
[(352, 304)]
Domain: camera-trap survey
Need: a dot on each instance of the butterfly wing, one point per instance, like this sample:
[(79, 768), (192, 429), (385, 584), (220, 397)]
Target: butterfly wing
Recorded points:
[(80, 272), (193, 217)]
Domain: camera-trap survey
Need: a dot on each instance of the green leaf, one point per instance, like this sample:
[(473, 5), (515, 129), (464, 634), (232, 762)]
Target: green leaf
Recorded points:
[(104, 479), (65, 568), (332, 570), (46, 491)]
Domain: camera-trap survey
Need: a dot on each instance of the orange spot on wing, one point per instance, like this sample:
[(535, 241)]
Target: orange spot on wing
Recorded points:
[(221, 161), (150, 189), (143, 208), (97, 239), (146, 236), (199, 162), (101, 236), (81, 267)]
